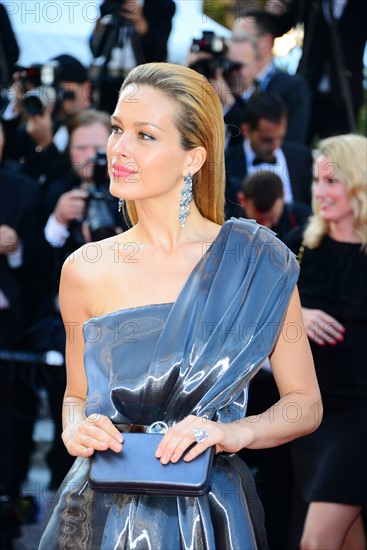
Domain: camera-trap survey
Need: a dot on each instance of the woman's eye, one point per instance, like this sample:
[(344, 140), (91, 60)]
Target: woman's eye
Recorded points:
[(144, 136), (116, 129)]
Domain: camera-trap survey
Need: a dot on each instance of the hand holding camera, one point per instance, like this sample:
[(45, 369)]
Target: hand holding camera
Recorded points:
[(208, 57), (93, 206), (211, 53), (222, 88), (71, 206)]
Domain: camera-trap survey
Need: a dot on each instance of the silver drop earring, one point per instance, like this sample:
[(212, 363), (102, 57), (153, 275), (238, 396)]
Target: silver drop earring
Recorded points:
[(119, 208), (185, 199)]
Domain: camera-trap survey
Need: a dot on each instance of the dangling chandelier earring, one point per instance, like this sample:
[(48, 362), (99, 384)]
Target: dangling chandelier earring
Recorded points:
[(185, 199), (119, 208)]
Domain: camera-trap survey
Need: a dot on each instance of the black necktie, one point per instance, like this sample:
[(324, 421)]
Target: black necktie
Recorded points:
[(258, 160)]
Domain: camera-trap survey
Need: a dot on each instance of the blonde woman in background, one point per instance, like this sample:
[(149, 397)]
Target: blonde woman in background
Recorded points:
[(330, 465)]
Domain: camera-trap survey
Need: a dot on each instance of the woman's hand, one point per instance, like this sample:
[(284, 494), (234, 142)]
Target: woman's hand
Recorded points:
[(88, 435), (321, 327), (225, 437)]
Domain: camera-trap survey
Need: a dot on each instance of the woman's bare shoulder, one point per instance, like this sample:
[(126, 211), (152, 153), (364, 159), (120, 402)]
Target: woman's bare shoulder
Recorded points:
[(94, 259)]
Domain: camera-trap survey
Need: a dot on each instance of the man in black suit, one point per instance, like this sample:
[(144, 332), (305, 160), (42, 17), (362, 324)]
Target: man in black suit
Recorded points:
[(262, 199), (293, 89), (262, 148), (22, 269)]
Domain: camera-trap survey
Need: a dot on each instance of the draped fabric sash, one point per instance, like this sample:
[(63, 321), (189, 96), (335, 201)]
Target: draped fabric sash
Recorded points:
[(223, 325)]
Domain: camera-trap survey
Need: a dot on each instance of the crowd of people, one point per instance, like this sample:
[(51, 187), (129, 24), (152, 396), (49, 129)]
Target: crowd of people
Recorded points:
[(249, 142)]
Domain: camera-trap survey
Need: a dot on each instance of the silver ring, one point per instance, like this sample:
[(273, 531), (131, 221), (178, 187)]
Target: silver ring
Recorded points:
[(200, 435)]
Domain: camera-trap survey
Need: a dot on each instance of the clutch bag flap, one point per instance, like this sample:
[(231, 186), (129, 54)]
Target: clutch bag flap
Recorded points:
[(136, 470)]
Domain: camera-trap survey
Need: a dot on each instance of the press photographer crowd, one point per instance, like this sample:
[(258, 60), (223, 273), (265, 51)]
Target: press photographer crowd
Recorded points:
[(295, 161)]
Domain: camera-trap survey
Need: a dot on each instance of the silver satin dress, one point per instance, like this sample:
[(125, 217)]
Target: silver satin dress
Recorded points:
[(165, 361)]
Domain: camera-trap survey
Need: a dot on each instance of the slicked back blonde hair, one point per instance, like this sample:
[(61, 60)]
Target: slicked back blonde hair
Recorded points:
[(348, 154), (199, 120)]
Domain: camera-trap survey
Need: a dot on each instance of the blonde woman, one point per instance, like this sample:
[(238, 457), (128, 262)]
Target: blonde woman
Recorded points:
[(330, 465), (169, 326)]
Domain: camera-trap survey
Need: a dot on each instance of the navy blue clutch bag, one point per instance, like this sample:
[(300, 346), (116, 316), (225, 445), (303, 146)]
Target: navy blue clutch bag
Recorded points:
[(135, 470)]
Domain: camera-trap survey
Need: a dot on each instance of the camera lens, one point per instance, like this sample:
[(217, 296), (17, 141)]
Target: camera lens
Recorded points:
[(33, 105), (100, 174)]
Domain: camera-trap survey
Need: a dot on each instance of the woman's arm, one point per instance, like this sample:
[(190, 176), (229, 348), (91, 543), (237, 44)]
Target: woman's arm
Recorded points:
[(299, 410), (81, 435), (297, 413)]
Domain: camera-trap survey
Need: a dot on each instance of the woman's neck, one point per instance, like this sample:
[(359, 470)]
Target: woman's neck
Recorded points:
[(343, 231), (163, 228)]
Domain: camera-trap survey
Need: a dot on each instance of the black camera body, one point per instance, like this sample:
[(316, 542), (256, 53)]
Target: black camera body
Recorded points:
[(39, 75), (215, 45), (41, 87), (98, 213), (209, 43)]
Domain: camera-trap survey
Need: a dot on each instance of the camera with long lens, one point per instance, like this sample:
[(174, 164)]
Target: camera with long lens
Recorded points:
[(41, 88), (216, 47), (100, 203)]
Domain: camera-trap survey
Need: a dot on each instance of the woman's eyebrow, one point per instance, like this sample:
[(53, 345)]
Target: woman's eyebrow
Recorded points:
[(139, 123)]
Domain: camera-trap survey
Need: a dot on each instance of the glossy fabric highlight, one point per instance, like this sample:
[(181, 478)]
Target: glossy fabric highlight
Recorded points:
[(165, 361)]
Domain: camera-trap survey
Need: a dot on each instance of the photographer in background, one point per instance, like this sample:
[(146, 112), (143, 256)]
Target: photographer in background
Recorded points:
[(77, 209), (45, 97), (128, 33), (209, 56), (294, 90), (70, 211)]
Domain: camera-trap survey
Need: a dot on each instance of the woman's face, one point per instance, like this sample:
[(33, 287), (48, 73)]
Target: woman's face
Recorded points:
[(330, 192), (145, 158)]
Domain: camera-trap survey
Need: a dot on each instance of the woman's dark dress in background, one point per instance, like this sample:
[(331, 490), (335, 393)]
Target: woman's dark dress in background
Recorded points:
[(330, 464)]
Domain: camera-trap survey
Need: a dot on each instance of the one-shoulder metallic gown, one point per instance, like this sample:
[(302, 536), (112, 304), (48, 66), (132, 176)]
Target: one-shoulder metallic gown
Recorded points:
[(165, 361)]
